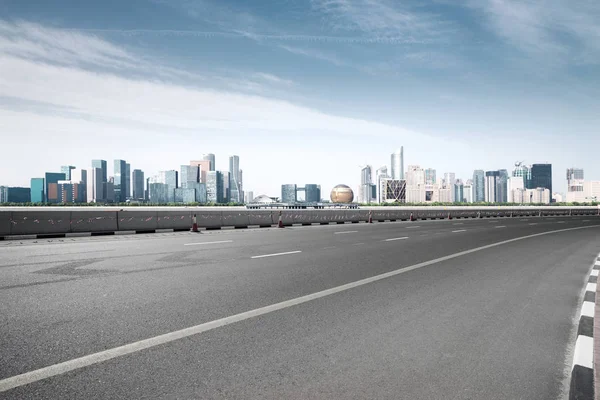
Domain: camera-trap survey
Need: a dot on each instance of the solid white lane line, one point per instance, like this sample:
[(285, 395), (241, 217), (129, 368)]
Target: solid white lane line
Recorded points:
[(105, 355), (344, 232), (400, 238), (595, 272), (590, 287), (584, 352), (460, 230), (278, 254), (203, 243), (501, 226), (587, 309)]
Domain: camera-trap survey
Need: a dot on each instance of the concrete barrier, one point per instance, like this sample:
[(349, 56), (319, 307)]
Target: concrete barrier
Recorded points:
[(138, 220), (178, 220), (59, 220), (262, 218), (94, 221), (40, 222), (5, 222), (209, 219), (238, 219)]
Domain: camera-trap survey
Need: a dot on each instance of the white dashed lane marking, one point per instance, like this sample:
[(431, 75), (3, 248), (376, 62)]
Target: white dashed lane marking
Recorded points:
[(344, 232), (203, 243), (533, 223), (460, 230), (501, 226), (412, 227), (278, 254), (393, 239)]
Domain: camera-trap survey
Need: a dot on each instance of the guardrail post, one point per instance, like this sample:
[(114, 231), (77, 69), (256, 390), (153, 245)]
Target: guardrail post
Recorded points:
[(370, 217)]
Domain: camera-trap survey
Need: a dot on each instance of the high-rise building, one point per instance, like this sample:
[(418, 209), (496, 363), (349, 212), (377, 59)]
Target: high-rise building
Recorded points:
[(459, 191), (102, 165), (38, 190), (214, 190), (249, 196), (392, 190), (415, 175), (289, 193), (95, 187), (128, 181), (204, 168), (491, 186), (541, 176), (574, 180), (171, 179), (398, 164), (15, 194), (366, 185), (120, 182), (159, 193), (226, 190), (479, 192), (189, 174), (430, 176), (312, 193), (66, 169), (502, 190), (380, 174), (51, 181), (524, 172), (468, 191), (138, 184), (234, 179), (211, 158)]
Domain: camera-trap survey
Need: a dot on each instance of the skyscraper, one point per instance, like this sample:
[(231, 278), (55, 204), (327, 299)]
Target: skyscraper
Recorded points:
[(491, 186), (366, 184), (575, 180), (209, 157), (102, 165), (249, 197), (380, 174), (95, 187), (189, 174), (502, 190), (312, 193), (225, 189), (524, 172), (289, 193), (213, 189), (541, 176), (138, 184), (479, 192), (459, 195), (204, 168), (120, 175), (415, 175), (128, 181), (79, 176), (171, 179), (51, 188), (38, 190), (66, 169), (398, 164), (234, 179)]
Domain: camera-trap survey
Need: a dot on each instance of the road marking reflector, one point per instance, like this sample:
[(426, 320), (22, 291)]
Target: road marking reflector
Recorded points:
[(584, 352)]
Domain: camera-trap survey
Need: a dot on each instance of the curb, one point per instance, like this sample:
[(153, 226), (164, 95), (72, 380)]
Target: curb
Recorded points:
[(582, 373), (87, 234)]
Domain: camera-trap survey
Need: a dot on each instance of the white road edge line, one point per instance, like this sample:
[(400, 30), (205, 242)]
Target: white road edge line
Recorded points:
[(584, 352), (587, 309), (344, 232), (278, 254), (400, 238), (201, 243), (105, 355), (590, 287), (460, 230)]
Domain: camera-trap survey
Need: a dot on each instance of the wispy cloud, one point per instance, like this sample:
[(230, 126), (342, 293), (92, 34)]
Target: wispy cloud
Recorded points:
[(382, 19), (556, 28), (273, 79), (313, 53)]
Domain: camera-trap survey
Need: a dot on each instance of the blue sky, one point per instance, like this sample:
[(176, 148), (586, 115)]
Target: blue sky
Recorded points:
[(302, 91)]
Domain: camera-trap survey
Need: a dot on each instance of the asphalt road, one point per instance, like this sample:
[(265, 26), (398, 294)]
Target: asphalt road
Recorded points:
[(490, 323)]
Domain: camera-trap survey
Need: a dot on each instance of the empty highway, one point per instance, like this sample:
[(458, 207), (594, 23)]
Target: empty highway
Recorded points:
[(459, 309)]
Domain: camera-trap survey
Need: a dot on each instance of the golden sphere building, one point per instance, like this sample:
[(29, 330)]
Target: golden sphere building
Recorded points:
[(342, 194)]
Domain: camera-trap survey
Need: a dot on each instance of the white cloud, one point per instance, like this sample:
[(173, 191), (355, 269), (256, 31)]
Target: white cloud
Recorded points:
[(159, 125), (565, 30), (312, 53), (273, 79)]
